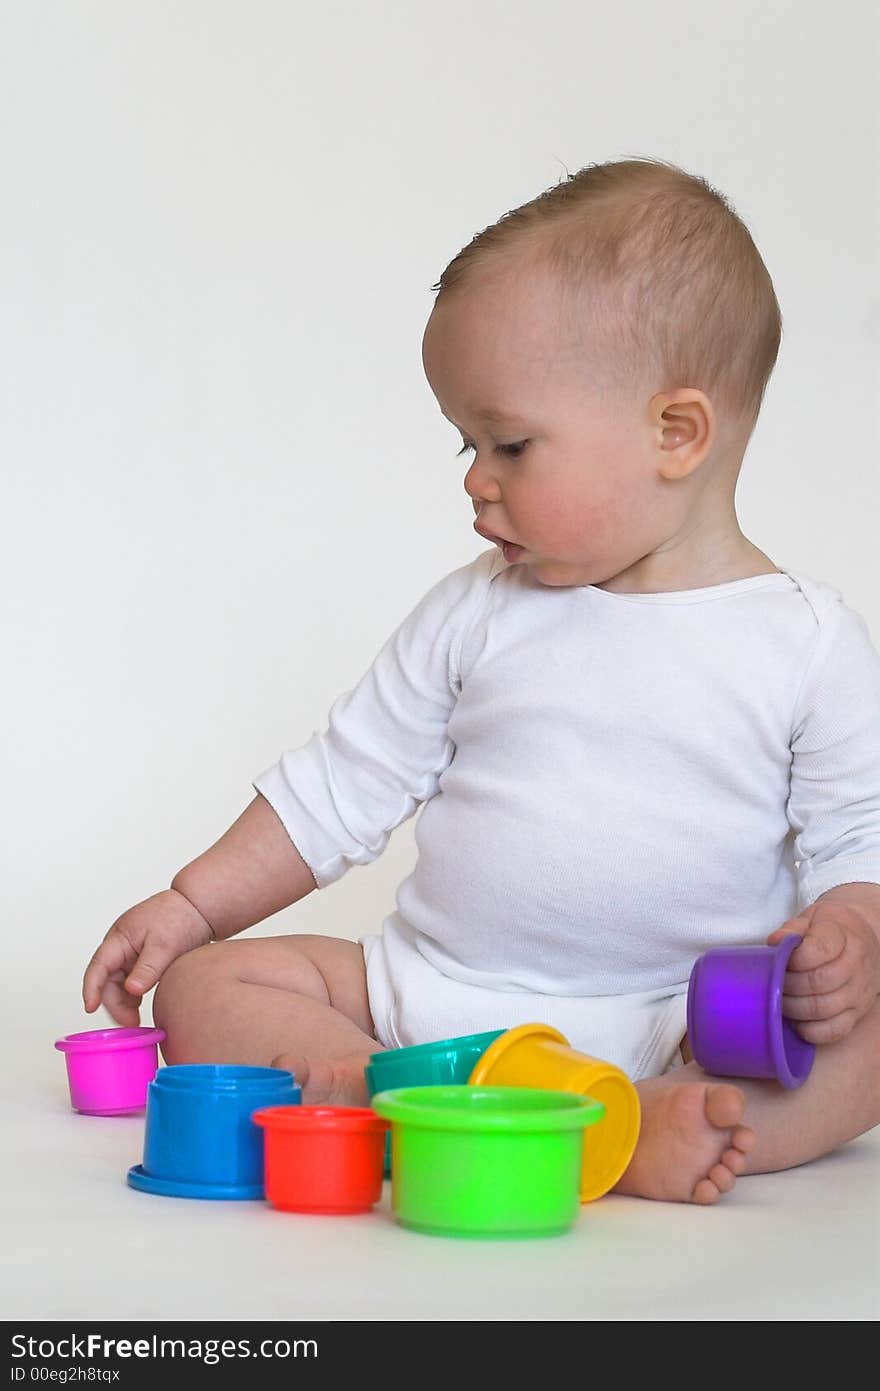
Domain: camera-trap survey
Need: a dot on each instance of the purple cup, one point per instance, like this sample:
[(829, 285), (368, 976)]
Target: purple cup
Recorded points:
[(734, 1015)]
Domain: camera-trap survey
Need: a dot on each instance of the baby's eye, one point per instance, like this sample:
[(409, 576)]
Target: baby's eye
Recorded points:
[(513, 451)]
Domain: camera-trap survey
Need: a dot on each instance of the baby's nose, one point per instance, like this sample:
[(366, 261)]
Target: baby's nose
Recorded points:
[(481, 489)]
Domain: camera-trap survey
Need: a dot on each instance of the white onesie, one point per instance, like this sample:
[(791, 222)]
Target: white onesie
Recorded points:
[(611, 785)]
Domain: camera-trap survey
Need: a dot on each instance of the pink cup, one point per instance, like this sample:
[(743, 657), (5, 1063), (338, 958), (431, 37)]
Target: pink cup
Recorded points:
[(109, 1070)]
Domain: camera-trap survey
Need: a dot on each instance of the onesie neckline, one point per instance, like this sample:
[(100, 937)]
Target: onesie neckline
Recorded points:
[(780, 579)]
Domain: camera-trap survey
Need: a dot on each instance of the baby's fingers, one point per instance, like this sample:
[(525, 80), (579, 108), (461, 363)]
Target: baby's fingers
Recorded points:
[(817, 965), (119, 1004), (112, 956), (156, 956), (814, 1007), (828, 1030)]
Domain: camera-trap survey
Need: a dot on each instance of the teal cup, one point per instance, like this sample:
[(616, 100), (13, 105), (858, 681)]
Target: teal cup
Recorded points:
[(446, 1063)]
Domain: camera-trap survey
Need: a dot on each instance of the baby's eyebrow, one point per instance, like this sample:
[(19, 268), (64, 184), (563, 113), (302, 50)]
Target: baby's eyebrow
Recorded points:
[(495, 417)]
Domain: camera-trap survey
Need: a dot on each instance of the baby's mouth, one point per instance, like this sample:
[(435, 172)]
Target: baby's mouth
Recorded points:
[(491, 536)]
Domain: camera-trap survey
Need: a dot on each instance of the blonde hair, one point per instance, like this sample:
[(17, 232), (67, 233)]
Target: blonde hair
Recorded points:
[(659, 273)]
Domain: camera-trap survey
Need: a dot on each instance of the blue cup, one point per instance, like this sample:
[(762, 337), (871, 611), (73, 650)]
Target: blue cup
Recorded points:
[(446, 1063), (200, 1141)]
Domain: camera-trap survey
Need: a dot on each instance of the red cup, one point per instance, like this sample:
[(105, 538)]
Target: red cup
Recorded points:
[(323, 1159)]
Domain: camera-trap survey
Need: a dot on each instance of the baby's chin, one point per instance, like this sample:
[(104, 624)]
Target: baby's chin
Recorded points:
[(558, 574)]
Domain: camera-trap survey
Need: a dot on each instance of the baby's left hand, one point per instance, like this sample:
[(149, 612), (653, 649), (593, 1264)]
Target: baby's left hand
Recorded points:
[(833, 977)]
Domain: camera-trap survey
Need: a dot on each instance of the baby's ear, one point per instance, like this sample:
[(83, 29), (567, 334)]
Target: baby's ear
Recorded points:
[(683, 422)]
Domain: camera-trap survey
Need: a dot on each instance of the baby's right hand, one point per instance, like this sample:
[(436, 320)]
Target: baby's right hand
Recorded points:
[(139, 946)]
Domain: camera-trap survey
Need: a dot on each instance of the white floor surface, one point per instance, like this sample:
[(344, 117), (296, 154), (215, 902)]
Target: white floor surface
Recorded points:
[(79, 1243)]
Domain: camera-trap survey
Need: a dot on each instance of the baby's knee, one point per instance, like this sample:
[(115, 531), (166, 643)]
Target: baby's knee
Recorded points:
[(184, 991)]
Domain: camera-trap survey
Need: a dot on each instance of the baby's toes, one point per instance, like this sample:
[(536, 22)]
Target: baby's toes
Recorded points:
[(722, 1178), (735, 1158), (705, 1192), (724, 1105), (742, 1138), (290, 1062)]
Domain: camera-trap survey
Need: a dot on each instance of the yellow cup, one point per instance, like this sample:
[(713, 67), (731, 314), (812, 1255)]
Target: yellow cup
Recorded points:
[(534, 1055)]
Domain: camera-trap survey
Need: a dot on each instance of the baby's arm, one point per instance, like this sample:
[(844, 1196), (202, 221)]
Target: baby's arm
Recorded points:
[(833, 978), (251, 872)]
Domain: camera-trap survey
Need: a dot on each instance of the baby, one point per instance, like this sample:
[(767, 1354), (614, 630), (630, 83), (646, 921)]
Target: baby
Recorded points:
[(634, 736)]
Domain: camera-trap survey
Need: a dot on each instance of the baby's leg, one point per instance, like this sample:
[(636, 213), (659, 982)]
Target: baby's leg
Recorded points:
[(298, 1002), (693, 1142)]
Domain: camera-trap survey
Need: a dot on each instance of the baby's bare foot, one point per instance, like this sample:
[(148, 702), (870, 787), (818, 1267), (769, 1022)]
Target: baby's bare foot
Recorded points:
[(691, 1145), (339, 1082)]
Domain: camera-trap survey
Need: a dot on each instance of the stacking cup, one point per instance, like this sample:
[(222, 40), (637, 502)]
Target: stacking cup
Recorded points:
[(199, 1139), (486, 1161), (447, 1062), (734, 1015), (323, 1159), (109, 1070), (535, 1055)]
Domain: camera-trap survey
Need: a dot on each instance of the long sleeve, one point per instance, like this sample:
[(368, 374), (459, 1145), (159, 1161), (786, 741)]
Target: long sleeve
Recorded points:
[(387, 741), (834, 805)]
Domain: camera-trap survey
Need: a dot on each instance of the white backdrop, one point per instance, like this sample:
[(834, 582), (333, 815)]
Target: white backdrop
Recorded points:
[(225, 479)]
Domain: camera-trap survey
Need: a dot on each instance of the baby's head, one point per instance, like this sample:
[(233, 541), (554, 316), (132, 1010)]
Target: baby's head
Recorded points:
[(604, 350)]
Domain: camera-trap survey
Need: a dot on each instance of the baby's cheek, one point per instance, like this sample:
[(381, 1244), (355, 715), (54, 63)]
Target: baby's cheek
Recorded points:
[(615, 510), (599, 521), (599, 506)]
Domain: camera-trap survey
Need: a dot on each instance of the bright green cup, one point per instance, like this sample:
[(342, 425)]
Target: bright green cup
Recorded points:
[(449, 1061), (486, 1161)]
